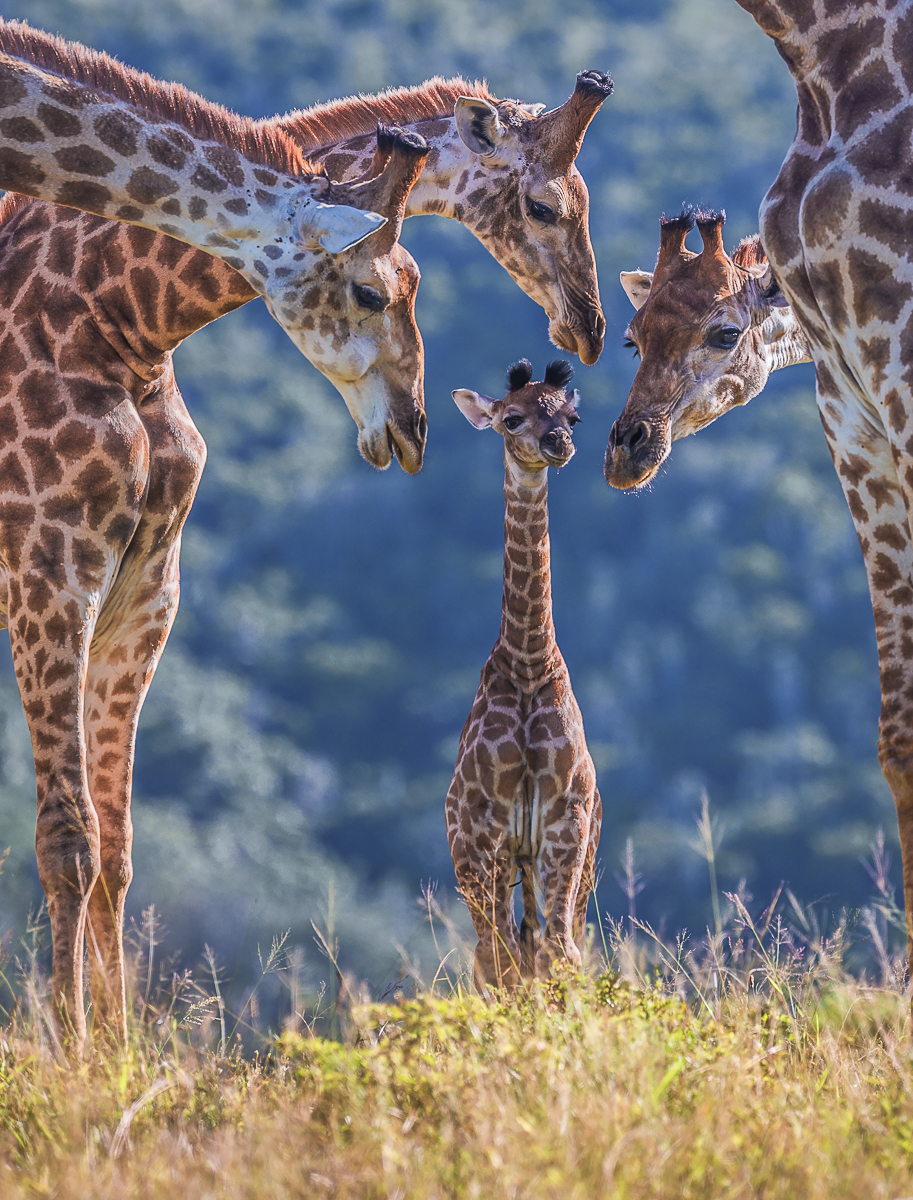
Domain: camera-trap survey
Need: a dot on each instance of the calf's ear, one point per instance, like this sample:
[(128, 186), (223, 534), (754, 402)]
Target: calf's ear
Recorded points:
[(475, 408), (479, 126)]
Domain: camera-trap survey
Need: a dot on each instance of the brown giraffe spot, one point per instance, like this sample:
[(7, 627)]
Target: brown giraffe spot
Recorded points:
[(12, 475), (239, 206), (145, 284), (165, 153), (12, 363), (872, 90), (172, 208), (888, 224), (74, 441), (885, 573), (207, 181), (97, 483), (42, 405), (21, 129), (83, 194), (58, 121), (48, 555), (266, 177), (89, 563), (842, 51), (67, 509), (141, 241), (12, 89), (891, 536), (857, 508), (9, 426), (117, 130), (147, 186), (16, 521), (197, 208), (61, 255), (227, 162), (266, 200), (876, 354), (84, 160), (129, 212), (877, 156), (896, 410), (877, 293), (234, 261), (880, 491), (18, 170), (854, 468)]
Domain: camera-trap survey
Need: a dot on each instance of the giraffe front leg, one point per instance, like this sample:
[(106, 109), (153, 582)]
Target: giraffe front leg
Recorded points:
[(588, 878), (566, 850), (49, 641), (872, 471), (133, 628), (122, 662), (483, 867)]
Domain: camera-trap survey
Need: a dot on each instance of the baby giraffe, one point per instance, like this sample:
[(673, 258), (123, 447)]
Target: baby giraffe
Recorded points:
[(523, 800)]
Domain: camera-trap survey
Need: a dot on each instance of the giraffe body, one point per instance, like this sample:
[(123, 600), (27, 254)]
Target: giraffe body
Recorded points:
[(835, 227), (523, 803), (99, 464)]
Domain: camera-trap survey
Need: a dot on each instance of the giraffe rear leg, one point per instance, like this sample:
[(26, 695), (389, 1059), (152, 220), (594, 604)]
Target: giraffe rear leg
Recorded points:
[(484, 881)]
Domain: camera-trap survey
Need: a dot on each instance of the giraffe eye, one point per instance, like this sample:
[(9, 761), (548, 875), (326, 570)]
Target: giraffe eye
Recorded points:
[(369, 298), (513, 423), (541, 212), (726, 337)]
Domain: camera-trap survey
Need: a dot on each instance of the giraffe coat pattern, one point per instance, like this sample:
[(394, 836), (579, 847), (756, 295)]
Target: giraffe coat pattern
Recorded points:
[(835, 226), (523, 800)]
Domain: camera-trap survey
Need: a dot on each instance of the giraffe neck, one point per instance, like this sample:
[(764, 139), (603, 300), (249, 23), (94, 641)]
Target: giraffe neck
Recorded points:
[(72, 145), (785, 343), (813, 35), (446, 177), (526, 650)]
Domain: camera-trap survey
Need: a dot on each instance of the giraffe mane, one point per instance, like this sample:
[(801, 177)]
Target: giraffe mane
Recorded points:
[(12, 203), (323, 125), (261, 142)]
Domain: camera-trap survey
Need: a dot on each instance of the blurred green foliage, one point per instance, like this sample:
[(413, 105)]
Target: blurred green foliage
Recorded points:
[(300, 733)]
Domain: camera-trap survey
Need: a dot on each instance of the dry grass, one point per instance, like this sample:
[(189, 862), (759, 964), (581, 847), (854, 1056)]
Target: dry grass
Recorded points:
[(750, 1065)]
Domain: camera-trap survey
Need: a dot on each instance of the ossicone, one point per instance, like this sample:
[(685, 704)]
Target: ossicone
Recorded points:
[(559, 373), (519, 374)]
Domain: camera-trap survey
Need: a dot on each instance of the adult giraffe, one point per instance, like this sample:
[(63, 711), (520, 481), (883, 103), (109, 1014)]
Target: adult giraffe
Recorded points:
[(836, 225), (504, 169), (98, 458), (137, 295)]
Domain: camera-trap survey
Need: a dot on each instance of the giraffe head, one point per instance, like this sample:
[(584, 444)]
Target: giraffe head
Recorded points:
[(527, 203), (709, 329), (535, 419), (356, 311)]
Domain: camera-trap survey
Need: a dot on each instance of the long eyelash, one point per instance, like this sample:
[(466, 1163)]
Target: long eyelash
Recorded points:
[(629, 345)]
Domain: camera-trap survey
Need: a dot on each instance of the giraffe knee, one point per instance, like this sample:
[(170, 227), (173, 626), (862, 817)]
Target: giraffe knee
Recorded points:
[(69, 854), (897, 766)]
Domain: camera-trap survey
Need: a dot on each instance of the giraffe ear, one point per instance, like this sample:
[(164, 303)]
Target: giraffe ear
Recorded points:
[(336, 227), (475, 408), (637, 286), (572, 399), (764, 294), (479, 126)]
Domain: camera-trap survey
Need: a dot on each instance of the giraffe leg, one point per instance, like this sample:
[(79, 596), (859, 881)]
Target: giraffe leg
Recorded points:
[(872, 474), (131, 634), (50, 664), (484, 880), (563, 855), (588, 878)]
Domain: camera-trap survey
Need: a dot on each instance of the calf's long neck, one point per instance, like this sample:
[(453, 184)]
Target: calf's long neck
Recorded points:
[(526, 650)]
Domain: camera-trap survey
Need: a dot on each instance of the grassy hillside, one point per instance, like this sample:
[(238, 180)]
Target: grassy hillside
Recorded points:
[(747, 1065)]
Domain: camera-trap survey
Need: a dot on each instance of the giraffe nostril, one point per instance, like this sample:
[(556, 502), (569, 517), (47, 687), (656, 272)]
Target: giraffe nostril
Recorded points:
[(637, 435), (421, 427)]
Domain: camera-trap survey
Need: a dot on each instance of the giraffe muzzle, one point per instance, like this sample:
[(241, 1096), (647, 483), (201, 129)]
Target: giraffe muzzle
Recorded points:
[(635, 452)]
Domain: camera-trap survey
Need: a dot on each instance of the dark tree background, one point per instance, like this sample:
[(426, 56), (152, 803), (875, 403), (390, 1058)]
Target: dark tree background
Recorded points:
[(299, 737)]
